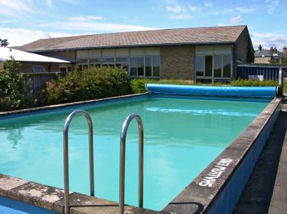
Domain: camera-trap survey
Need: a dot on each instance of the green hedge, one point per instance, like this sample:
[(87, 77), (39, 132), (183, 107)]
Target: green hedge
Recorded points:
[(90, 84), (139, 85), (257, 83)]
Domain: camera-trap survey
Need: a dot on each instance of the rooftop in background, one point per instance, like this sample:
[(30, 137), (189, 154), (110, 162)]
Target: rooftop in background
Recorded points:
[(22, 56), (179, 36), (272, 52)]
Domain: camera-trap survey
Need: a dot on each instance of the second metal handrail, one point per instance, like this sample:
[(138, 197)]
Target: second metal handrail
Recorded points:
[(123, 159), (66, 157)]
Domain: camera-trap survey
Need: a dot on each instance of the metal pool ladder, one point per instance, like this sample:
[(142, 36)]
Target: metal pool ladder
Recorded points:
[(66, 157), (123, 160)]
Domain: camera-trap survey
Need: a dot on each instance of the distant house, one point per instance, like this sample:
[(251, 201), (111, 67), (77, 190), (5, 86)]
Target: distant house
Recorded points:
[(269, 56), (31, 62), (205, 54)]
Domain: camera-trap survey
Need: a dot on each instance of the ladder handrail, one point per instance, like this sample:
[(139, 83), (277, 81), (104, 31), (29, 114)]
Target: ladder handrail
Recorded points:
[(66, 157), (122, 160)]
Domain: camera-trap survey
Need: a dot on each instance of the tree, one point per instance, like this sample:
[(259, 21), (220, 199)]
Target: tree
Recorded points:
[(4, 43), (15, 88)]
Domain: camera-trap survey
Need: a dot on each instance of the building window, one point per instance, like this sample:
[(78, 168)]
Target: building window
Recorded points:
[(156, 66), (217, 66), (137, 66), (208, 66), (199, 65), (138, 62), (38, 68), (148, 66), (226, 66)]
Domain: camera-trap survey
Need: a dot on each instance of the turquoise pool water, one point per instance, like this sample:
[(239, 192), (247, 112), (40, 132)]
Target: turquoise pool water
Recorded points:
[(182, 136)]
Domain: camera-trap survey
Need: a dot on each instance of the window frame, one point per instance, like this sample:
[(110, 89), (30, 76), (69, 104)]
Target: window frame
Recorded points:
[(40, 66)]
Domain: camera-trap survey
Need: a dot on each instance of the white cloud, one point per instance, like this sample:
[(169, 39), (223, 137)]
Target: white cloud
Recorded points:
[(236, 20), (19, 36), (49, 2), (193, 8), (268, 40), (84, 18), (93, 26), (181, 16), (16, 7), (245, 10), (208, 4), (272, 5), (175, 9)]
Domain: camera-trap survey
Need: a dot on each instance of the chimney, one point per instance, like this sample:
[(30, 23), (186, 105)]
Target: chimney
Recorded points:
[(285, 50), (275, 50), (260, 47)]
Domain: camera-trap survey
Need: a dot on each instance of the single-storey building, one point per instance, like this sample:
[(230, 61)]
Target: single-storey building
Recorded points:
[(205, 54), (31, 62)]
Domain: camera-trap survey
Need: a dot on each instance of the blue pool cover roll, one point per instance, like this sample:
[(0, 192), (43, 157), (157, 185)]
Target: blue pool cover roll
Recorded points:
[(213, 91)]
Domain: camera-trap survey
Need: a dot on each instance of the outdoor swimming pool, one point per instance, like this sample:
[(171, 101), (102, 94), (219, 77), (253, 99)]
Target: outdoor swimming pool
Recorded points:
[(182, 136)]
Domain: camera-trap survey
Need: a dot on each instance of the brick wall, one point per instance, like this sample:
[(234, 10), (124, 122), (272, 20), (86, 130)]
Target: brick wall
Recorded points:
[(177, 62), (27, 67), (262, 60), (241, 46)]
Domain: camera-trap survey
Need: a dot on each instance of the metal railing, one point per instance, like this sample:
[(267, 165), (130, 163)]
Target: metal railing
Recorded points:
[(123, 159), (66, 157)]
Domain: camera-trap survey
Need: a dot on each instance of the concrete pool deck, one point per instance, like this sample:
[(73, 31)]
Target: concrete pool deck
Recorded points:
[(198, 197), (266, 190)]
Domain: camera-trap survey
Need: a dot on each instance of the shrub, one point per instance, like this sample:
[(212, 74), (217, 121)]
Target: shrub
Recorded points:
[(139, 85), (15, 89), (243, 82), (90, 84)]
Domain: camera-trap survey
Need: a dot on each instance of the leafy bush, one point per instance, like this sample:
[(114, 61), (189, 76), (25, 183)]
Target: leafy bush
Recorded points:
[(139, 85), (90, 84), (15, 88), (243, 82)]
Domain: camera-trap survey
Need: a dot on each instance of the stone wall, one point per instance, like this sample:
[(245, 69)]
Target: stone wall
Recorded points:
[(177, 62)]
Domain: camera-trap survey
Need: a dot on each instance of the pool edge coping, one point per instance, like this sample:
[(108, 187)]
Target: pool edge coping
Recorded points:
[(197, 198), (62, 105), (187, 196)]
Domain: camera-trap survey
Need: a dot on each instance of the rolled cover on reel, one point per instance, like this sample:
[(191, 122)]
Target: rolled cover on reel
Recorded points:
[(213, 91)]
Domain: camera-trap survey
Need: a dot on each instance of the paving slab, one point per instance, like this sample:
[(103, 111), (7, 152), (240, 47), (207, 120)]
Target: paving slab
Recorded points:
[(256, 196), (278, 202)]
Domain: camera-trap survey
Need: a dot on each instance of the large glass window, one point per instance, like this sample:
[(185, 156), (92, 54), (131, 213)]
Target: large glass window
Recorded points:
[(226, 66), (140, 65), (208, 66), (156, 66), (133, 71), (217, 65), (38, 68), (199, 65), (148, 66)]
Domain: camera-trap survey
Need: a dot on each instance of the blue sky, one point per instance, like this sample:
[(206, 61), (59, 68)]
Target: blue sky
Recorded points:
[(23, 21)]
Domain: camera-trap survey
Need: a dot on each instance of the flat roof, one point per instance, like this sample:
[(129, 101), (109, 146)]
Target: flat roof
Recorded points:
[(179, 36), (23, 56)]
